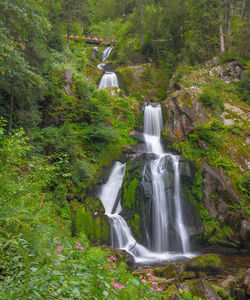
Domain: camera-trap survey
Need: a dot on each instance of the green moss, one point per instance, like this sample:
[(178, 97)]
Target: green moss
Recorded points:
[(208, 263), (130, 193), (188, 100)]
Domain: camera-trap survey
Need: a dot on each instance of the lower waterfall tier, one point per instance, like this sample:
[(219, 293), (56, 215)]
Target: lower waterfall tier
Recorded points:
[(137, 203)]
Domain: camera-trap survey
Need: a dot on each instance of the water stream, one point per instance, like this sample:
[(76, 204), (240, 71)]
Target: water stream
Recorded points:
[(169, 239)]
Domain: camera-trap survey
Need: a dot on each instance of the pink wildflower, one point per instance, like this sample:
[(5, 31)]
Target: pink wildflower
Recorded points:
[(58, 242), (114, 258), (56, 294), (149, 273), (212, 298), (152, 288), (154, 282), (144, 280), (115, 266), (110, 267), (115, 284), (159, 288), (109, 259)]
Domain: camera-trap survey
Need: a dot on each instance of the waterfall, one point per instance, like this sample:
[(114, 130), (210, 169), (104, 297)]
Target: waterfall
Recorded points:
[(106, 52), (169, 239), (169, 232), (109, 79)]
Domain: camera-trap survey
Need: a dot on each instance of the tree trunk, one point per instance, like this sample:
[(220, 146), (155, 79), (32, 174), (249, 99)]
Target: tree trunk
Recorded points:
[(222, 44), (68, 34), (141, 21), (243, 6), (11, 105), (228, 24)]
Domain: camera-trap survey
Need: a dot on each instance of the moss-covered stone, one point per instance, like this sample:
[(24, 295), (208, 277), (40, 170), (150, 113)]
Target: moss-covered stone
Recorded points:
[(208, 263), (88, 217)]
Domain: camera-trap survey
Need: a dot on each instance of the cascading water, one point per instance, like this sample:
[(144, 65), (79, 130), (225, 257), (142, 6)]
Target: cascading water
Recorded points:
[(169, 232), (109, 79), (169, 239), (106, 52)]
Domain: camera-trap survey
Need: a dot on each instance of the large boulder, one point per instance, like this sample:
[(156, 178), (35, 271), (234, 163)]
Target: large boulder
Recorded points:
[(208, 263), (184, 113)]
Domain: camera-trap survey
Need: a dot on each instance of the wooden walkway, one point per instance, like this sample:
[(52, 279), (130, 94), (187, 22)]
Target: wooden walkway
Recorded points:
[(90, 39)]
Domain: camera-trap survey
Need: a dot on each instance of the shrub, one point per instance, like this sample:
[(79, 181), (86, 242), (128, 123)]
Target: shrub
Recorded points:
[(212, 99), (244, 87)]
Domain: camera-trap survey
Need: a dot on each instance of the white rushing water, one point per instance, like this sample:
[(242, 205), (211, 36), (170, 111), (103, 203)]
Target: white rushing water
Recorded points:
[(109, 79), (170, 239), (106, 52)]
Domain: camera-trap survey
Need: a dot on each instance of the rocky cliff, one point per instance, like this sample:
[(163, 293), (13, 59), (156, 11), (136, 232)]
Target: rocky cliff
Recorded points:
[(207, 122)]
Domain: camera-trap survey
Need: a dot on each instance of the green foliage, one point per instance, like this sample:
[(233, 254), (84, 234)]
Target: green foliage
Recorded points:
[(130, 193), (187, 296), (243, 184), (70, 270), (212, 99), (244, 87), (228, 57)]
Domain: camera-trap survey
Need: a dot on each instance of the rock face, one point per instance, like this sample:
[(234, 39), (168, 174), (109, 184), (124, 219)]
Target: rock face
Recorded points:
[(229, 72), (184, 113), (219, 183)]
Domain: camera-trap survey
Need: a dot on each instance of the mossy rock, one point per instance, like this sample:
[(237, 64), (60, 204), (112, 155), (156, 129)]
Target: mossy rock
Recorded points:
[(173, 270), (208, 263), (89, 217), (187, 275)]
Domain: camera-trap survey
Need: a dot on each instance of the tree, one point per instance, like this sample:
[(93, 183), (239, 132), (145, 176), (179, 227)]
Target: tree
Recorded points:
[(72, 11), (21, 21), (141, 22)]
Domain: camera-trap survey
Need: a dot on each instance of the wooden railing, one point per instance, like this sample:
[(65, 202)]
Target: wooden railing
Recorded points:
[(93, 39)]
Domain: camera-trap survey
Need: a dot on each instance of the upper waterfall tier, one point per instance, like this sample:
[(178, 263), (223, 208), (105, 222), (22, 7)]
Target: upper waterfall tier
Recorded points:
[(106, 52), (152, 128), (153, 120)]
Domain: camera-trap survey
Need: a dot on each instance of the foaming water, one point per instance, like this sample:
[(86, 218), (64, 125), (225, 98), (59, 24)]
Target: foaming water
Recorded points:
[(109, 79)]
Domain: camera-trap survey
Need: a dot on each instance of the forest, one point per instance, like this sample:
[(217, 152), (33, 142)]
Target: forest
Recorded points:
[(77, 79)]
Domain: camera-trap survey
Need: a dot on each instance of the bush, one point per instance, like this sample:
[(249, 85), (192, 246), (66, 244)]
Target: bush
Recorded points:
[(212, 99), (243, 184), (244, 87)]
